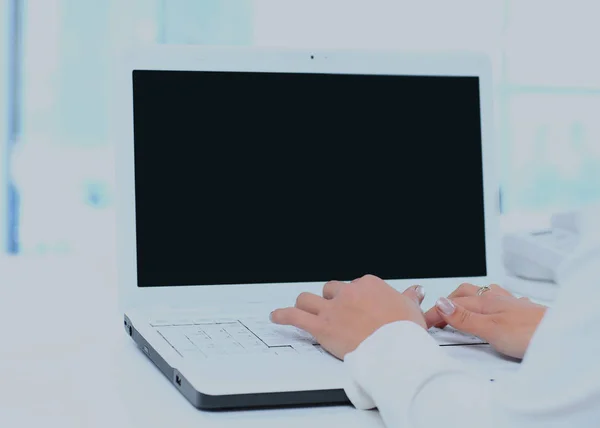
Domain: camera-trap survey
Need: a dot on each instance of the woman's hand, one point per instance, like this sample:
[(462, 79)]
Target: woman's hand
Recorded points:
[(434, 319), (348, 313), (504, 321)]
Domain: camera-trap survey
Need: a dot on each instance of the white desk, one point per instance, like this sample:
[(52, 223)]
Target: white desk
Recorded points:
[(66, 361)]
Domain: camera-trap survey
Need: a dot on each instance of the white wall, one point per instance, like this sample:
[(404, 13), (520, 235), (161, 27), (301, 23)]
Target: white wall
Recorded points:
[(433, 25), (387, 24), (553, 43)]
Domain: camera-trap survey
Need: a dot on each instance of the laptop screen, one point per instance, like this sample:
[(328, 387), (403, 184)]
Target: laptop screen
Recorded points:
[(248, 177)]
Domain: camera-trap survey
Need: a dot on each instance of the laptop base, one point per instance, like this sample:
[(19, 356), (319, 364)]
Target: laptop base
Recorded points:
[(239, 401)]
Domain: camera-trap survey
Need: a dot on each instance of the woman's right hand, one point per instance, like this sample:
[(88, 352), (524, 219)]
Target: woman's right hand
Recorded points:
[(507, 323)]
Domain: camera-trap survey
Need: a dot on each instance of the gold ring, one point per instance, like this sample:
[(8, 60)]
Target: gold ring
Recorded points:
[(483, 290)]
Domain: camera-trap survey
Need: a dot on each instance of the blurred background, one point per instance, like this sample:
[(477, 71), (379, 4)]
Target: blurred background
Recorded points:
[(58, 59), (58, 62)]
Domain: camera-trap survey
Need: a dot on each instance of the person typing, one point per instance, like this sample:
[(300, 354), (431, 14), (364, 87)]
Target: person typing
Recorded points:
[(395, 366)]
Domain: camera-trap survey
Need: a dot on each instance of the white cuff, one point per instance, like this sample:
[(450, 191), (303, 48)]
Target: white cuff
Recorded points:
[(393, 363), (357, 396)]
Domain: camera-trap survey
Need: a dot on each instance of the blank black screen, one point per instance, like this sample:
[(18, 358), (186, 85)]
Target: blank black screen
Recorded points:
[(275, 177)]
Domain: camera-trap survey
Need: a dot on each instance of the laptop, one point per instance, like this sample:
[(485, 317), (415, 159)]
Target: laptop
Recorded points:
[(247, 176)]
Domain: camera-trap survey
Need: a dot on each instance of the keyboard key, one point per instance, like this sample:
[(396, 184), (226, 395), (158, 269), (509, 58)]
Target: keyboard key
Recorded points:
[(182, 321), (275, 335), (253, 344), (226, 321), (202, 342), (304, 348), (192, 330), (196, 333), (262, 352), (192, 354), (230, 349), (235, 348), (285, 351), (219, 336), (160, 322), (214, 352), (237, 329), (177, 339), (242, 337), (202, 321), (278, 339)]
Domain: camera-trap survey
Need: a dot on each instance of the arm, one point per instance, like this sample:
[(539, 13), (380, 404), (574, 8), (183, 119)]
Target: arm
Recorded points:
[(402, 371)]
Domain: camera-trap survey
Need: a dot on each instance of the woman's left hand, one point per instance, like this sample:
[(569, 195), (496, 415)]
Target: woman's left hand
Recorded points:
[(434, 319), (505, 322), (348, 313)]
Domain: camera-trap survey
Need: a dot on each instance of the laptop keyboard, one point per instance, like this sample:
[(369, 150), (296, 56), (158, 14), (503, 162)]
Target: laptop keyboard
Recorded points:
[(217, 338)]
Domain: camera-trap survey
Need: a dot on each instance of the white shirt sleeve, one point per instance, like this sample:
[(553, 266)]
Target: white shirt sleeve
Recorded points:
[(402, 371)]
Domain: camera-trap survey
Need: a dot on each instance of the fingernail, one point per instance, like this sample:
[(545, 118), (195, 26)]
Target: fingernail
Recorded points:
[(420, 290), (445, 305), (271, 316)]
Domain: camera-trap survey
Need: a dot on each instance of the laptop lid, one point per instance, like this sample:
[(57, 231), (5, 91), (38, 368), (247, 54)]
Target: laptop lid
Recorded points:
[(260, 172)]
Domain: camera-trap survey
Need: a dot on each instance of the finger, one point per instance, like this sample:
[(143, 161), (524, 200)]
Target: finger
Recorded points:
[(466, 289), (487, 303), (415, 293), (480, 304), (433, 319), (461, 318), (331, 289), (297, 318), (310, 303), (463, 290), (432, 316)]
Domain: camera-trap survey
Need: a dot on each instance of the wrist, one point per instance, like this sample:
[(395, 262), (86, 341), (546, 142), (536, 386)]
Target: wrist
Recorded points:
[(398, 344)]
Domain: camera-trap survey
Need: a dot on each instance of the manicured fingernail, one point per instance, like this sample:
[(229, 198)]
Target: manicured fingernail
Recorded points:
[(445, 305), (420, 290)]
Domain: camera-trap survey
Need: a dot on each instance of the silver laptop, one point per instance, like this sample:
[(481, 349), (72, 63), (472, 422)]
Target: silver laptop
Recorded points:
[(246, 176)]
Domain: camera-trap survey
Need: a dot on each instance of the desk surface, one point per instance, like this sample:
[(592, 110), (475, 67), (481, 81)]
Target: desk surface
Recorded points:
[(65, 360)]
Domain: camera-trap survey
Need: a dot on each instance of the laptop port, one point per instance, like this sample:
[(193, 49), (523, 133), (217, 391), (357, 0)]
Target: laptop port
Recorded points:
[(177, 380), (130, 331)]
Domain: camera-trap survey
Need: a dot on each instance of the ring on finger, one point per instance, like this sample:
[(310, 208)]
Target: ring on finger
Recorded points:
[(483, 290)]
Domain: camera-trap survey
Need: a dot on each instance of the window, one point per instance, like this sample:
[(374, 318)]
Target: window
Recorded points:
[(546, 81), (62, 163), (6, 100), (550, 99)]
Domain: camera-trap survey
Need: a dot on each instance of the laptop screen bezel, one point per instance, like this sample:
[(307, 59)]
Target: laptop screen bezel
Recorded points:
[(195, 58)]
